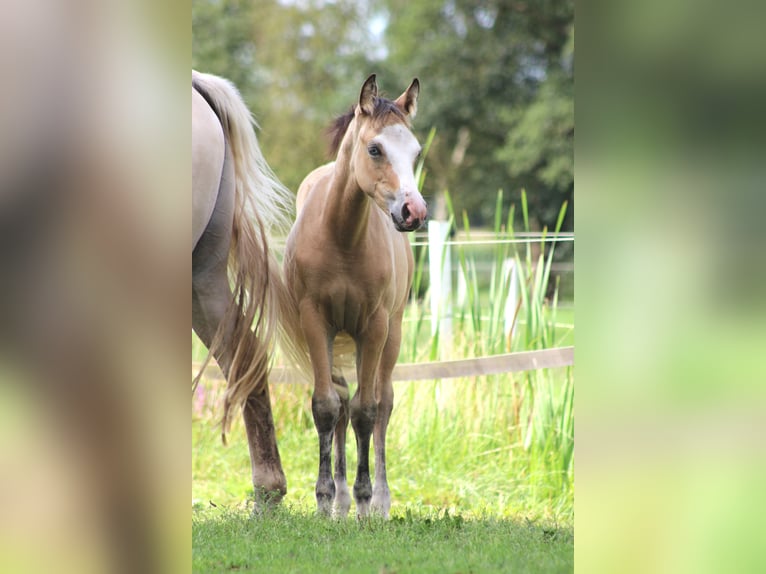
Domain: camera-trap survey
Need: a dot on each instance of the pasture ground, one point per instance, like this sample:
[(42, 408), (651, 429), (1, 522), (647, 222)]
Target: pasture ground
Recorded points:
[(289, 540), (466, 496)]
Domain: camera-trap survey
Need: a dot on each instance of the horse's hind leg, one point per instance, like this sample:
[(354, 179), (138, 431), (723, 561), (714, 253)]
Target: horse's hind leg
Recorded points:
[(211, 296), (342, 496), (269, 481)]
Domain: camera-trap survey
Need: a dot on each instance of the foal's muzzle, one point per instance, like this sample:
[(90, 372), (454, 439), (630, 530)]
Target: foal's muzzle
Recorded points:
[(409, 213)]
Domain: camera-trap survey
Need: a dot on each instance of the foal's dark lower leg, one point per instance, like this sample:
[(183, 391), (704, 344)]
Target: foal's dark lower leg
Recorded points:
[(342, 497), (363, 421), (363, 407), (326, 412), (381, 495)]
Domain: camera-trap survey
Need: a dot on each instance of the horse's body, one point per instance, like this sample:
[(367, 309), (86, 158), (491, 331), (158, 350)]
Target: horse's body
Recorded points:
[(350, 269), (236, 200)]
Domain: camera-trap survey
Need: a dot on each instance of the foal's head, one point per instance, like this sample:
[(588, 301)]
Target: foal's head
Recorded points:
[(383, 152)]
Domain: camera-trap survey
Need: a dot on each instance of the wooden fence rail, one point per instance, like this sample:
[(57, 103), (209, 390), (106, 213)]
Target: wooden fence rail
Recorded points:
[(492, 365)]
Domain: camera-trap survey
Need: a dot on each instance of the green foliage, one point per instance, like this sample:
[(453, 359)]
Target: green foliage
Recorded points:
[(497, 84), (539, 147), (222, 39), (297, 64), (487, 64)]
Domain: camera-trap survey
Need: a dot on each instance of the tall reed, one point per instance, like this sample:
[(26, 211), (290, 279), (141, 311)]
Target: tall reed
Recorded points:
[(514, 431)]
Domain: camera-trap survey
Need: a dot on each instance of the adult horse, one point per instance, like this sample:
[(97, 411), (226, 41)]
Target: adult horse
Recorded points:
[(236, 202), (349, 270)]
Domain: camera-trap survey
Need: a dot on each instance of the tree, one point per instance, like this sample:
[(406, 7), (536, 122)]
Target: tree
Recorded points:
[(489, 68), (539, 145), (222, 39), (297, 64), (497, 84)]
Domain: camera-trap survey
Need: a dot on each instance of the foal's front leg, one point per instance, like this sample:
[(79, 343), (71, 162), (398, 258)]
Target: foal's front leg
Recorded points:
[(342, 496), (363, 407), (325, 403), (381, 495)]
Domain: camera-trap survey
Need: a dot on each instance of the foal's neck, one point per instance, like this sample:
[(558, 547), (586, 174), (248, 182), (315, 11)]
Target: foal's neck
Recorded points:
[(348, 207)]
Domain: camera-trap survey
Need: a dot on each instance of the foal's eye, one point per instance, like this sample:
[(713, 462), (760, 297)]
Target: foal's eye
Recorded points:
[(374, 151)]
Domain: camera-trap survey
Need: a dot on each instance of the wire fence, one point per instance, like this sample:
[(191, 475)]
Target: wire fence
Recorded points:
[(489, 238)]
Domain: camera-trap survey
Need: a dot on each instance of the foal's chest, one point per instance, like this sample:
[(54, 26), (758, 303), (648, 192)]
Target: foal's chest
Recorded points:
[(361, 285)]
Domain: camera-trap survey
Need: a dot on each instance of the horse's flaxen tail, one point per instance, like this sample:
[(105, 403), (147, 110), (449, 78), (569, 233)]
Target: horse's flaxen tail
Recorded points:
[(292, 341), (262, 205)]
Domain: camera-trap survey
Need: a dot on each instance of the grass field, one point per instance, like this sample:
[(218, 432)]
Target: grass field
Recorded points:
[(480, 469), (292, 540), (467, 495)]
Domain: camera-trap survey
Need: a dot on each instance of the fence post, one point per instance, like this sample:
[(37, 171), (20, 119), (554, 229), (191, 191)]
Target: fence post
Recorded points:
[(462, 287), (440, 275)]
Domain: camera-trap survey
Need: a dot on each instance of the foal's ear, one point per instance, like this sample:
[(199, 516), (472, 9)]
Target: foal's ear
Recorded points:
[(408, 101), (367, 96)]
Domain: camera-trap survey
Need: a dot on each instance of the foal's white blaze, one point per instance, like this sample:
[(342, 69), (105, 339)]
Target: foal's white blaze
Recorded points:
[(401, 148)]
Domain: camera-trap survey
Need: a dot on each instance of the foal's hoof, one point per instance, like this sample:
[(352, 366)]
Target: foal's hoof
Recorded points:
[(362, 509), (324, 506), (381, 502)]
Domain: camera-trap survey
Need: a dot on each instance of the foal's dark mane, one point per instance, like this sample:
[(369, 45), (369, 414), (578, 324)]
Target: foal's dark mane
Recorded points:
[(339, 127)]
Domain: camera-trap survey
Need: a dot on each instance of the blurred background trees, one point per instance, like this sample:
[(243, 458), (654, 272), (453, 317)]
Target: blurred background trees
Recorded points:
[(497, 81)]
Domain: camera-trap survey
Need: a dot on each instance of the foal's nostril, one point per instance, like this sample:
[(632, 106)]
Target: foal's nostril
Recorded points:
[(405, 213)]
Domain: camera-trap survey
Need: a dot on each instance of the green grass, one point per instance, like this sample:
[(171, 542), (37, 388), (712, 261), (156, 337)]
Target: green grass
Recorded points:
[(480, 469), (452, 444), (292, 540)]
